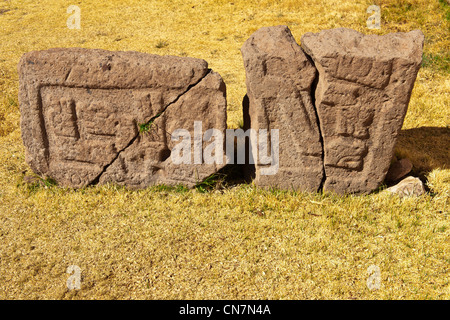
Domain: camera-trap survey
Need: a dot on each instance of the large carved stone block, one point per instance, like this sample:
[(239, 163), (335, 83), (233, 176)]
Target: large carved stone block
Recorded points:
[(362, 95), (81, 110), (279, 78), (147, 159)]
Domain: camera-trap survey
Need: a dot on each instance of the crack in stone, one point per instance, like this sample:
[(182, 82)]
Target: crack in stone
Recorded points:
[(312, 94), (97, 179), (68, 74)]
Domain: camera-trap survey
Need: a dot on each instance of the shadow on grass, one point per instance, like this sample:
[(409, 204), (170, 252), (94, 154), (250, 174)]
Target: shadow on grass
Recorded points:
[(428, 148), (229, 176)]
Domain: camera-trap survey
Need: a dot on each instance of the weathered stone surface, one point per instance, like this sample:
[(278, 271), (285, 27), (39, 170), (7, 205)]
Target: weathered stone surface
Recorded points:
[(279, 78), (398, 170), (81, 110), (147, 160), (408, 187), (363, 91)]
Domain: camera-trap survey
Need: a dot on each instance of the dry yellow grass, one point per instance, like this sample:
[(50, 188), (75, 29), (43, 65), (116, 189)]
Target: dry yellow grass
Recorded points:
[(239, 242)]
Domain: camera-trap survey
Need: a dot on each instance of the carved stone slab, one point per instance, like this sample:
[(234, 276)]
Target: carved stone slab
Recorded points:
[(81, 110), (363, 91), (279, 79), (146, 161)]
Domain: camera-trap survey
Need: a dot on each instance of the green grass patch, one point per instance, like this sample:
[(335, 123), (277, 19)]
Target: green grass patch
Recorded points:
[(446, 8), (439, 62), (145, 127)]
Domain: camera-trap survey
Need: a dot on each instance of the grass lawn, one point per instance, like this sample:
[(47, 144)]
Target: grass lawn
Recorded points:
[(235, 241)]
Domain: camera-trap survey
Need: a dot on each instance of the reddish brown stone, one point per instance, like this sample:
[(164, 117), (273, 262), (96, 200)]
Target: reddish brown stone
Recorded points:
[(147, 160), (364, 87), (398, 170), (81, 109), (279, 78)]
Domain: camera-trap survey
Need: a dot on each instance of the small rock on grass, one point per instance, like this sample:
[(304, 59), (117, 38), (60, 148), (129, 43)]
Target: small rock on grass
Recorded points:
[(408, 187), (398, 170)]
